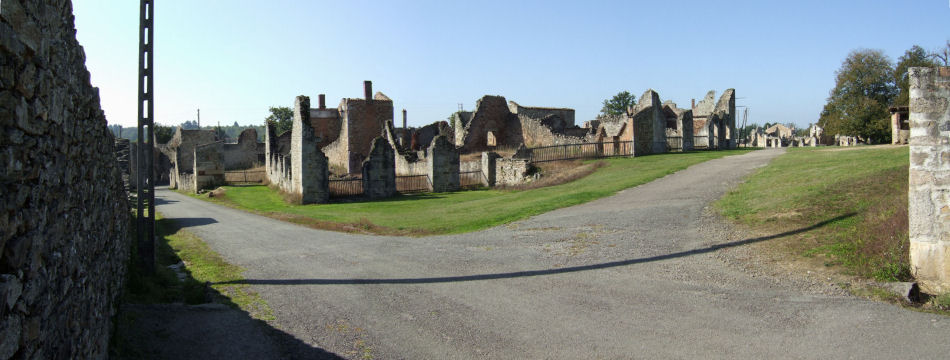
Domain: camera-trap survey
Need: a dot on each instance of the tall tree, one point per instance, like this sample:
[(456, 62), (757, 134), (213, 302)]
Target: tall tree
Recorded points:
[(618, 104), (163, 133), (857, 105), (942, 56), (282, 117), (915, 56)]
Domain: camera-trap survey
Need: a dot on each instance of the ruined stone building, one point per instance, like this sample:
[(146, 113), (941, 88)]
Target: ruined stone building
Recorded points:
[(714, 123), (900, 124), (346, 133), (496, 123), (779, 135), (181, 150), (302, 172)]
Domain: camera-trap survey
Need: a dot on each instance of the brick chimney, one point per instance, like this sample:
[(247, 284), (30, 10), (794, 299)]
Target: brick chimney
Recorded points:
[(403, 118), (323, 101), (368, 89)]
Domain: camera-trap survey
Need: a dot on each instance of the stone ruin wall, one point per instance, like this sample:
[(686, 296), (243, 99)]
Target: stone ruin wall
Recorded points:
[(648, 125), (443, 165), (209, 165), (929, 191), (491, 115), (245, 154), (276, 164), (379, 170), (309, 171), (182, 145), (64, 223), (565, 114)]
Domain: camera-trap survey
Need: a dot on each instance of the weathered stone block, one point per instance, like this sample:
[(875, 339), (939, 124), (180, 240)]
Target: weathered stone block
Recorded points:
[(379, 170), (443, 165), (929, 180)]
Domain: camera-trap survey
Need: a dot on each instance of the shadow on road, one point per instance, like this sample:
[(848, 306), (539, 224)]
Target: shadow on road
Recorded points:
[(175, 224), (517, 274)]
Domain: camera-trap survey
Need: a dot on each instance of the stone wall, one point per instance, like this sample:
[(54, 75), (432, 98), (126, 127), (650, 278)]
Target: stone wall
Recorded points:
[(511, 171), (491, 115), (565, 115), (537, 132), (245, 154), (443, 165), (726, 112), (929, 192), (648, 125), (182, 145), (64, 237), (379, 170), (309, 173), (209, 166)]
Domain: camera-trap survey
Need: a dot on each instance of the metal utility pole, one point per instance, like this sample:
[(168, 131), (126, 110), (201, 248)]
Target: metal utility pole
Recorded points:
[(145, 171)]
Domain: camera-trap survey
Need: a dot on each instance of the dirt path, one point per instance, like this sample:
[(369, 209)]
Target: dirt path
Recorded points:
[(635, 275)]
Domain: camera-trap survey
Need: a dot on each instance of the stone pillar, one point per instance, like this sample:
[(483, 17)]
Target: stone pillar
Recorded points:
[(308, 165), (379, 170), (488, 168), (929, 191), (443, 165)]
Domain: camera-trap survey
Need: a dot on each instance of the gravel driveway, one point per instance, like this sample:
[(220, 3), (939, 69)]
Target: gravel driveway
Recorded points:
[(635, 275)]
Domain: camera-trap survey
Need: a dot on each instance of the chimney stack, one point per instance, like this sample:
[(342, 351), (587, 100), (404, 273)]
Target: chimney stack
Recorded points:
[(403, 118), (694, 103), (323, 101), (368, 89)]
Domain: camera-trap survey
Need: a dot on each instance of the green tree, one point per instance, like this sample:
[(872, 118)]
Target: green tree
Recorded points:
[(857, 105), (163, 133), (281, 117), (915, 56), (618, 104)]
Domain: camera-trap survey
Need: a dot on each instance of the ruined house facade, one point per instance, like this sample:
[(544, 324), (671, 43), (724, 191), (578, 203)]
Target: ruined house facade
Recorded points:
[(497, 123), (714, 123), (347, 132)]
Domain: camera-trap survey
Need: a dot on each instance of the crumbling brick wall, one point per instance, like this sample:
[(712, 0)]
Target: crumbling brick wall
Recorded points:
[(64, 237), (929, 192)]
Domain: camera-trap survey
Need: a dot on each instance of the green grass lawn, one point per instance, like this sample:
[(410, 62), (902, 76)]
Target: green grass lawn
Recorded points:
[(863, 192), (465, 211)]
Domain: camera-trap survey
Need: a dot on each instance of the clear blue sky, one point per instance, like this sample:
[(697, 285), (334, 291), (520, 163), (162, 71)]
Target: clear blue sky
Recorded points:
[(234, 59)]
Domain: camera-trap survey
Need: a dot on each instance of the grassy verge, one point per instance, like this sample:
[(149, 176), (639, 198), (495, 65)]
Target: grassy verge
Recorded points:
[(201, 266), (864, 190), (463, 211)]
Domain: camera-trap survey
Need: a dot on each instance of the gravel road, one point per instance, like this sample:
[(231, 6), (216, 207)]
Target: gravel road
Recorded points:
[(635, 275)]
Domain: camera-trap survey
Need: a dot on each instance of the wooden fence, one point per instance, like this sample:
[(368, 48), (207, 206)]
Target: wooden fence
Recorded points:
[(255, 176)]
